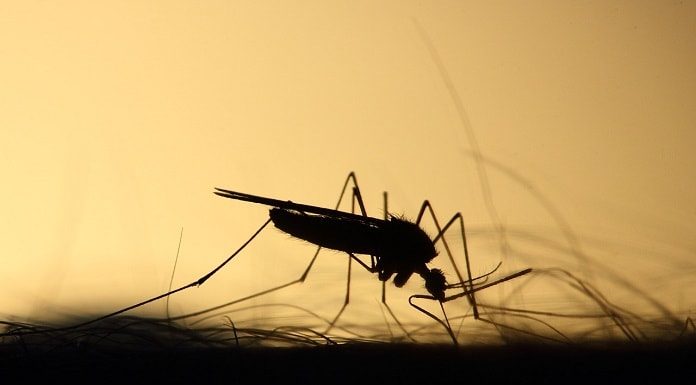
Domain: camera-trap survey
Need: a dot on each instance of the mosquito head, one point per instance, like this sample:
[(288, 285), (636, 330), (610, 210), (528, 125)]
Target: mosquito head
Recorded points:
[(435, 283)]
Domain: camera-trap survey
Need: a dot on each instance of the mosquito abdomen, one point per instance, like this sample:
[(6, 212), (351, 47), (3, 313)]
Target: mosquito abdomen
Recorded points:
[(343, 234)]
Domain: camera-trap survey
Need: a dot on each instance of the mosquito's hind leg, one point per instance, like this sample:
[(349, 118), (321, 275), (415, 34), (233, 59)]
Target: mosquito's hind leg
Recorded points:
[(350, 178)]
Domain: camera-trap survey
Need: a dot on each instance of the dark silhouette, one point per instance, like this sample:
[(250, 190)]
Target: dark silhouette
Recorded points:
[(397, 247)]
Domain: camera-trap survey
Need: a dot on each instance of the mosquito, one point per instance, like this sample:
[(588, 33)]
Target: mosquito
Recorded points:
[(397, 247)]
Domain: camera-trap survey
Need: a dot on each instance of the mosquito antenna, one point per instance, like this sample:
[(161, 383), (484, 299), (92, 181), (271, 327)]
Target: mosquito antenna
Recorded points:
[(458, 285), (478, 288), (446, 323)]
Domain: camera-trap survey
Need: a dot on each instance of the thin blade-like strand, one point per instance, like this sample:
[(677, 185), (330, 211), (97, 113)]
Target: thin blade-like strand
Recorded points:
[(288, 205)]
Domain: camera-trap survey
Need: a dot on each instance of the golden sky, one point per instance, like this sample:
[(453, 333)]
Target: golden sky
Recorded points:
[(119, 118)]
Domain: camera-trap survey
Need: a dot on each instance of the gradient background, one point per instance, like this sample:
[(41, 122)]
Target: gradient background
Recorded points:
[(117, 121)]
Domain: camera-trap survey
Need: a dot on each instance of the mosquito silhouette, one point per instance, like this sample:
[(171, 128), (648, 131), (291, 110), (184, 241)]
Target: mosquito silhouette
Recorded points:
[(397, 247)]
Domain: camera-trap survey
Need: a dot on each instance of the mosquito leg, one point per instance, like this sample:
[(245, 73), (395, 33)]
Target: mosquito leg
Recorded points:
[(197, 282), (384, 283), (468, 286), (446, 324), (467, 292), (391, 313), (363, 264), (385, 199), (440, 236), (350, 178), (347, 298), (356, 198)]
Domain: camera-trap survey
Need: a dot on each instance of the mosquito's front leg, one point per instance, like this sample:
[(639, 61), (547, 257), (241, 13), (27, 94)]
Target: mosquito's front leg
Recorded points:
[(385, 200), (440, 237)]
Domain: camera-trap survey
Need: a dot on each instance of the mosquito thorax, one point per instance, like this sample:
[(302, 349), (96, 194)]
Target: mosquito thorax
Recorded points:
[(408, 242)]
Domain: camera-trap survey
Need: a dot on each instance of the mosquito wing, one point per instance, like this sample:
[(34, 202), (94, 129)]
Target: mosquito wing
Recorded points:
[(288, 205)]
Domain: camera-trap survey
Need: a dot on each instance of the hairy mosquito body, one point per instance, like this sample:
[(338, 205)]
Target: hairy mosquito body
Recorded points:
[(398, 247)]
